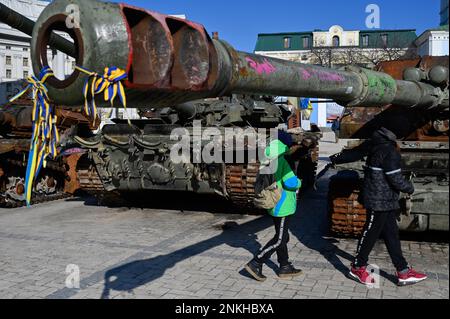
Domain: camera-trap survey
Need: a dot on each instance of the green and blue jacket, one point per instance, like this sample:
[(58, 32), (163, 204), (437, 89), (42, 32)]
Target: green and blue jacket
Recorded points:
[(286, 180)]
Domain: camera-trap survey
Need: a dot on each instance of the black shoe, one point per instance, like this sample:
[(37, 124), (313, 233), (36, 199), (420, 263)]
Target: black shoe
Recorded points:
[(288, 271), (254, 268)]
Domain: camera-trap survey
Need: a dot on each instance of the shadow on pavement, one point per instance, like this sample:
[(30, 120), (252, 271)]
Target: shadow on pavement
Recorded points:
[(132, 275), (310, 226), (165, 200)]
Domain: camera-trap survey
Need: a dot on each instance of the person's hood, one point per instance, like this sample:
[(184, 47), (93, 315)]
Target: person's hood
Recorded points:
[(383, 135), (276, 149)]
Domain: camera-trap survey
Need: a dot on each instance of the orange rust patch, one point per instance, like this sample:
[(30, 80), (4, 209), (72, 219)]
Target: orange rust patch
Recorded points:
[(243, 72), (72, 183)]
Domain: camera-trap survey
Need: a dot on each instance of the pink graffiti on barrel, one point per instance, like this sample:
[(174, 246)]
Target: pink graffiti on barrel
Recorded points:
[(260, 68), (306, 75), (322, 75)]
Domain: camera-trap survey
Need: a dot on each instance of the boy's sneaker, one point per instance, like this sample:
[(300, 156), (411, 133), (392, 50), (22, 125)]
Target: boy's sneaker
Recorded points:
[(362, 276), (289, 271), (410, 277), (254, 268)]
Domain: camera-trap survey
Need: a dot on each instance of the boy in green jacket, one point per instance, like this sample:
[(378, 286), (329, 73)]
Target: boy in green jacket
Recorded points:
[(282, 213)]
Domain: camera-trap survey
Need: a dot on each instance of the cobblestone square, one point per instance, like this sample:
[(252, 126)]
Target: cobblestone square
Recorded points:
[(169, 253)]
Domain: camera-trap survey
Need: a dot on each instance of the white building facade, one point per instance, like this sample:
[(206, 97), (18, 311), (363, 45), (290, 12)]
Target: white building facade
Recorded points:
[(15, 58), (433, 42), (336, 36)]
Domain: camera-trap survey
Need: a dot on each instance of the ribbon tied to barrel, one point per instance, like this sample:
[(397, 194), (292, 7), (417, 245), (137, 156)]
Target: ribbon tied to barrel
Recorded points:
[(110, 84), (45, 136)]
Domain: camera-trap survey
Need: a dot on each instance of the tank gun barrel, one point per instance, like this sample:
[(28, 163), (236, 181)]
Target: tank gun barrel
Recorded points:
[(25, 25), (170, 61)]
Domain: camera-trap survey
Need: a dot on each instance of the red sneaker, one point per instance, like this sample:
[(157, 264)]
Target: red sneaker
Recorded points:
[(411, 277), (362, 276)]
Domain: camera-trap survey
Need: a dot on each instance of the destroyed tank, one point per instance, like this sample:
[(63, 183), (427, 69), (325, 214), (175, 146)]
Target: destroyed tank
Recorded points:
[(424, 143), (57, 180), (170, 61), (124, 159)]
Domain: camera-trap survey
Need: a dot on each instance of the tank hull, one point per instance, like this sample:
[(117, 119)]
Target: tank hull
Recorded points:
[(210, 147)]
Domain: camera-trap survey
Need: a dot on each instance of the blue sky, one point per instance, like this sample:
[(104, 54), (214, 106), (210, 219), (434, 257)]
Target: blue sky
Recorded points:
[(240, 21)]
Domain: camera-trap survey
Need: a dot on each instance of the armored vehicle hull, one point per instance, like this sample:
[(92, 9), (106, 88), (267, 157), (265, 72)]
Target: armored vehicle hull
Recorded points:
[(425, 161), (221, 140)]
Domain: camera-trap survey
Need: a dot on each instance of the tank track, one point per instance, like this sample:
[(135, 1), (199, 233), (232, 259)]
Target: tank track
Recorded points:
[(90, 182), (50, 185), (240, 184), (347, 214), (240, 181)]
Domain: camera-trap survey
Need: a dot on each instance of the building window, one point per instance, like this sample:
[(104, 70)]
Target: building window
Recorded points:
[(365, 40), (8, 74), (8, 47), (287, 42), (8, 60), (25, 49), (25, 74), (25, 61), (306, 42), (8, 87), (384, 40), (336, 41)]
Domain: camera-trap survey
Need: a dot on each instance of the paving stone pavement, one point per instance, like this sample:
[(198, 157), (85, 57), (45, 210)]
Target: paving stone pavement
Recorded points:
[(172, 254)]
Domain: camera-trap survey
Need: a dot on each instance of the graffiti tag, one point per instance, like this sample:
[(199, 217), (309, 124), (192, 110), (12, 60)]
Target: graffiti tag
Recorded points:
[(260, 68)]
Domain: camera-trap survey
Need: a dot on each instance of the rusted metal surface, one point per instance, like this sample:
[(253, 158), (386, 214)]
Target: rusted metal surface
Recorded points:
[(48, 186), (15, 121), (240, 183), (55, 181), (72, 183), (14, 145), (396, 68), (89, 178), (347, 214), (360, 122)]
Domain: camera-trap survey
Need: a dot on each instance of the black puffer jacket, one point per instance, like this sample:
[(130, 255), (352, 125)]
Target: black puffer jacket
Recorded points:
[(383, 178)]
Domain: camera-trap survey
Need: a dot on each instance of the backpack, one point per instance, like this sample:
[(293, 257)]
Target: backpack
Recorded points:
[(267, 192)]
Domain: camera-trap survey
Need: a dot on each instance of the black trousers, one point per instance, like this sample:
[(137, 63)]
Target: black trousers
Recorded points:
[(382, 224), (278, 243)]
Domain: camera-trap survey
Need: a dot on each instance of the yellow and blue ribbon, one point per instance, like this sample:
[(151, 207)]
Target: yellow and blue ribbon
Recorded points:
[(45, 136), (110, 84)]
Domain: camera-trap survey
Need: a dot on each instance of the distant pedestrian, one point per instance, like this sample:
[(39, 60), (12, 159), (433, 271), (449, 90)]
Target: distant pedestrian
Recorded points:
[(282, 213), (336, 127), (383, 182)]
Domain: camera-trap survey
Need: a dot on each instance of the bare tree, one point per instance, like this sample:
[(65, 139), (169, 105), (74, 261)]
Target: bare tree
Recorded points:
[(322, 56), (385, 49), (392, 50)]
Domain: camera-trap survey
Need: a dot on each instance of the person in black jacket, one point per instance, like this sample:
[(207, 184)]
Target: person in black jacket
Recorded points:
[(383, 183)]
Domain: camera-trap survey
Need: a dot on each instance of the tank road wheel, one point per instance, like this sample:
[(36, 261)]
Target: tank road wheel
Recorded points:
[(347, 215)]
